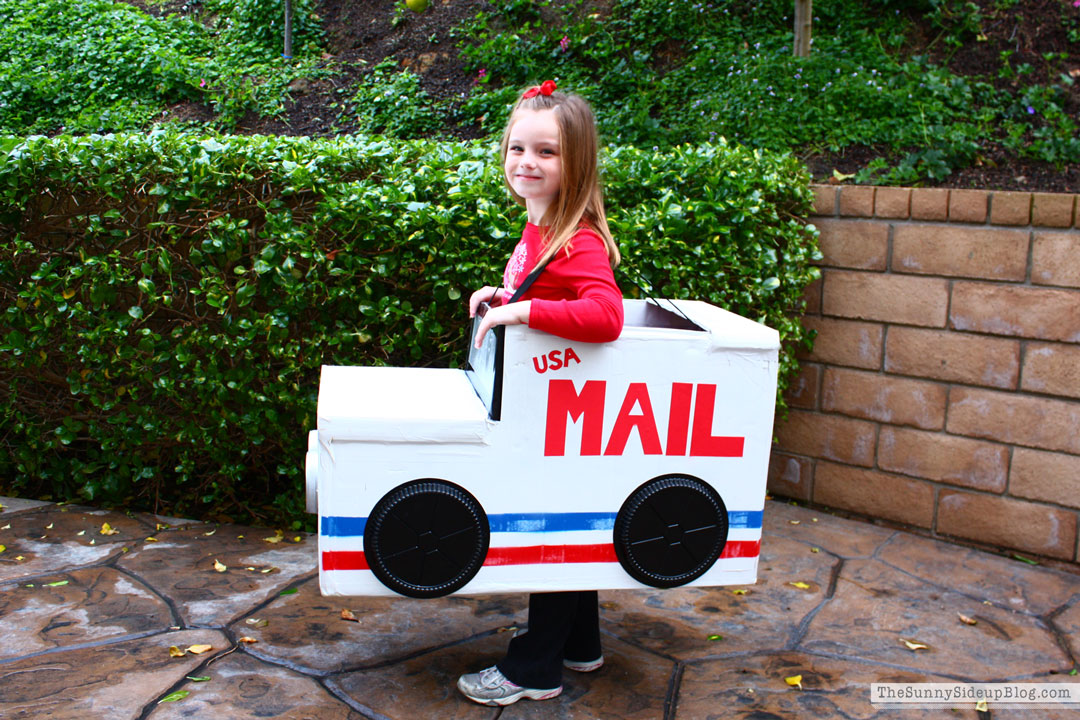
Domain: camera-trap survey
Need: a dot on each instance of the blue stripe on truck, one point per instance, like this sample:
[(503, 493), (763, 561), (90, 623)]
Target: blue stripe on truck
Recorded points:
[(338, 526)]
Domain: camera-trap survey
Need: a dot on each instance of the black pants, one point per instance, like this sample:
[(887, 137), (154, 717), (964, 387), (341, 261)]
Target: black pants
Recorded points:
[(563, 625)]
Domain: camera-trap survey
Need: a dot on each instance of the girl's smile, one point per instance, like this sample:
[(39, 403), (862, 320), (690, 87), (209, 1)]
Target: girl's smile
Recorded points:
[(533, 164)]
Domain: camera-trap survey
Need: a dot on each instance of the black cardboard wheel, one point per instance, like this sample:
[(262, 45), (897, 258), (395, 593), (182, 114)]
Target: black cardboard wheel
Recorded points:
[(670, 531), (426, 538)]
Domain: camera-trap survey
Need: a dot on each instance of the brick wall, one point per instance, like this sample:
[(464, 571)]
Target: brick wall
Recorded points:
[(943, 391)]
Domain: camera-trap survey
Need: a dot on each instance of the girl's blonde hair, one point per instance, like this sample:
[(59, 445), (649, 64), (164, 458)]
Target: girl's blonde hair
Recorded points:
[(580, 199)]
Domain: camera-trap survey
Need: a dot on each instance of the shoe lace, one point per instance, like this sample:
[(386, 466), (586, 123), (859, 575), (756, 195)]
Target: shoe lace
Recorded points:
[(491, 677)]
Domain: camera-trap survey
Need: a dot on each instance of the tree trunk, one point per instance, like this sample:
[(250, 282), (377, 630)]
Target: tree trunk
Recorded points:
[(804, 15), (288, 30)]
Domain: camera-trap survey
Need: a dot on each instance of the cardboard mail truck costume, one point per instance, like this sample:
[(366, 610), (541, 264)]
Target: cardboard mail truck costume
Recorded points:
[(549, 464)]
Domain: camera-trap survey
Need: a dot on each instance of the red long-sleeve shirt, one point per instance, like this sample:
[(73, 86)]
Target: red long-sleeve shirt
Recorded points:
[(575, 296)]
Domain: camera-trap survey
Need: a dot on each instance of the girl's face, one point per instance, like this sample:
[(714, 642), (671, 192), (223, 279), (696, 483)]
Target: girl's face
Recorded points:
[(533, 163)]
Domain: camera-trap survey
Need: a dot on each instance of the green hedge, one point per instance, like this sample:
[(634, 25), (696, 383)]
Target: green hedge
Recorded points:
[(169, 298)]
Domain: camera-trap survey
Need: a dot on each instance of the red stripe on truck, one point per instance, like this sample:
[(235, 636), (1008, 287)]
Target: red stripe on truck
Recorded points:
[(535, 555)]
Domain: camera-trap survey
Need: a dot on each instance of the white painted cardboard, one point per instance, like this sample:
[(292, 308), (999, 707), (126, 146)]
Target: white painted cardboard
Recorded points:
[(552, 485)]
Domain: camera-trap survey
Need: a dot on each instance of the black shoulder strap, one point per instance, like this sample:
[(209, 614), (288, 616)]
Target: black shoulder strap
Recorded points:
[(626, 273), (529, 280)]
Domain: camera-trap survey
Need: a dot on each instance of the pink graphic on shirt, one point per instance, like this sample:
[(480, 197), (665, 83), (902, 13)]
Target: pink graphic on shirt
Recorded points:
[(515, 266)]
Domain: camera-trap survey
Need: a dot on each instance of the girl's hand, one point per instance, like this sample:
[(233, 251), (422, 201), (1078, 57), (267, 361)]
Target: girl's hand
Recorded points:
[(486, 294), (513, 314)]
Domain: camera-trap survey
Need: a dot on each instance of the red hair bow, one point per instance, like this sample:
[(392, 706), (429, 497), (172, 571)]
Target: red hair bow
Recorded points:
[(546, 88)]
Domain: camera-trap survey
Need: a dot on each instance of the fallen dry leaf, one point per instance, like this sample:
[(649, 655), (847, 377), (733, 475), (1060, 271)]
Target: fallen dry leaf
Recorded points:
[(3, 548), (793, 522), (49, 526), (794, 681), (6, 527), (151, 539), (219, 567), (106, 529), (966, 620), (814, 550), (739, 591), (199, 649), (19, 558), (981, 706), (248, 640), (81, 533), (801, 585), (257, 623), (175, 652), (508, 628), (210, 533), (348, 615), (915, 646)]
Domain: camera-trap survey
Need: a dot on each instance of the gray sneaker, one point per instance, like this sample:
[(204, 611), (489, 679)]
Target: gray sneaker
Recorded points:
[(582, 666), (490, 687)]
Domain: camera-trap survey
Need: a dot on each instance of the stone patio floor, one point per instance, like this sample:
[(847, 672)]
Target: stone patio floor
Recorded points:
[(88, 620)]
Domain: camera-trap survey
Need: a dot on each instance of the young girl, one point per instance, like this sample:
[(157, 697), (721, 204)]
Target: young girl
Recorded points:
[(549, 151)]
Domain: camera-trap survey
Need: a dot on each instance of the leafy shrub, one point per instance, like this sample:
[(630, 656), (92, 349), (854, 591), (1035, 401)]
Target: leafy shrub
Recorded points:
[(666, 72), (90, 64), (169, 298), (960, 20), (390, 101), (97, 65), (663, 72), (258, 26)]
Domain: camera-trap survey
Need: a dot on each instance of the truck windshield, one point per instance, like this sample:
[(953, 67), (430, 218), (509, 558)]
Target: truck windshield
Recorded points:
[(485, 365)]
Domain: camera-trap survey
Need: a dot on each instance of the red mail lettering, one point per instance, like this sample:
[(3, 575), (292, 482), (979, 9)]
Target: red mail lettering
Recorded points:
[(564, 401), (679, 418), (636, 394), (702, 442), (555, 360)]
